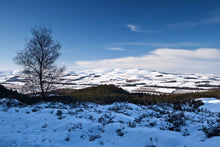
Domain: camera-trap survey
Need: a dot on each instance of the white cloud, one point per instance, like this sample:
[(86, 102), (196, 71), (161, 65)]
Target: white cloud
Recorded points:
[(136, 28), (211, 20), (202, 60), (133, 27), (115, 49)]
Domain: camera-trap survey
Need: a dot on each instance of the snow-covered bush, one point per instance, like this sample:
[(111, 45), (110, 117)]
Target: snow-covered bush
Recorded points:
[(211, 130), (177, 120)]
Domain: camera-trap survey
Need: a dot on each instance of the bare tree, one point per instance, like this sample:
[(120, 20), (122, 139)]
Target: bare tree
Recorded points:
[(39, 60)]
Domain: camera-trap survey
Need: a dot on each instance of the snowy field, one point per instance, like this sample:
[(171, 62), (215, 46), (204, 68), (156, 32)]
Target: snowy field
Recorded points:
[(115, 125)]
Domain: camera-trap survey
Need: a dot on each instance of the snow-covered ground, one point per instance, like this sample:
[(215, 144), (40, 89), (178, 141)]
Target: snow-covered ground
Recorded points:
[(211, 104), (132, 80), (117, 125)]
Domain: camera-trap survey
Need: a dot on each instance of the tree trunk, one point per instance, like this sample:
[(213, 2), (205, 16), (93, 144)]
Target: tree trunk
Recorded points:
[(41, 82), (41, 86)]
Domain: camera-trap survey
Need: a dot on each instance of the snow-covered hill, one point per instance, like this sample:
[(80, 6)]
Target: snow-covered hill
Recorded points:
[(133, 80), (115, 125)]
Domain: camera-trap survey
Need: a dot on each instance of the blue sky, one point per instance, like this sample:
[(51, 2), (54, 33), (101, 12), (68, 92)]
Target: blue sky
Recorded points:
[(93, 31)]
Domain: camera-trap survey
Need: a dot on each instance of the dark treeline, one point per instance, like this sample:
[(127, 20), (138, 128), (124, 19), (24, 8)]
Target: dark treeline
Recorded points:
[(107, 94)]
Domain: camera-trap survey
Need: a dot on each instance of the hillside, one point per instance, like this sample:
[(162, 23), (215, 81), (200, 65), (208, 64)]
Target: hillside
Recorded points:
[(132, 80), (101, 90), (80, 120)]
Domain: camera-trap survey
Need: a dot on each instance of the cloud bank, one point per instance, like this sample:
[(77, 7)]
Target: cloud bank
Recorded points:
[(202, 60)]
